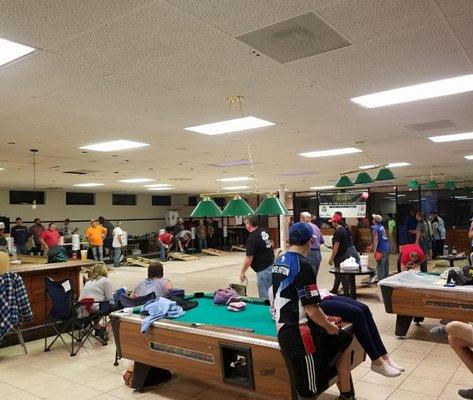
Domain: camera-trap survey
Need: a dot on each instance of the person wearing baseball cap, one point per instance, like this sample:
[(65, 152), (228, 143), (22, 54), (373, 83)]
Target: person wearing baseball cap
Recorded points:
[(306, 336), (381, 247), (3, 240), (339, 251)]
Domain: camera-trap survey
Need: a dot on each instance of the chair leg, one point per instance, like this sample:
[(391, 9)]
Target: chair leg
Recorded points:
[(17, 329)]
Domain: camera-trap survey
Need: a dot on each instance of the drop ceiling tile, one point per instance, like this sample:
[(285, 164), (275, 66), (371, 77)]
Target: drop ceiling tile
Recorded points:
[(257, 85), (205, 64), (43, 73), (427, 41), (239, 17), (361, 20), (138, 38), (452, 8), (462, 25), (42, 23)]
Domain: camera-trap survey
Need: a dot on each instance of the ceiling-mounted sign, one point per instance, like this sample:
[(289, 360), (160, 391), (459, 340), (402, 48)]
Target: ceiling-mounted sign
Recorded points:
[(350, 204)]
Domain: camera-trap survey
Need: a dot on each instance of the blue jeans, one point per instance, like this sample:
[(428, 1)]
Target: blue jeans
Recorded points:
[(315, 258), (202, 243), (382, 266), (117, 252), (97, 252), (359, 315), (20, 249), (264, 280), (351, 252)]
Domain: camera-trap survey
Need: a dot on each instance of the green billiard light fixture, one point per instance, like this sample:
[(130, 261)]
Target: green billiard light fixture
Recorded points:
[(413, 184), (431, 184), (206, 208), (363, 178), (271, 206), (344, 181), (237, 207), (385, 174), (450, 185)]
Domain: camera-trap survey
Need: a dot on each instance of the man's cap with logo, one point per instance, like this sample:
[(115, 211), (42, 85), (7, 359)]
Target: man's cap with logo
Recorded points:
[(300, 233), (336, 218)]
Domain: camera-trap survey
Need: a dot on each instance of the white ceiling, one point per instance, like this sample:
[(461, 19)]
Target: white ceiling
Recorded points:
[(144, 70)]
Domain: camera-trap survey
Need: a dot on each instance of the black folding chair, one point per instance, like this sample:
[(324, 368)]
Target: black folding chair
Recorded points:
[(64, 320), (124, 301)]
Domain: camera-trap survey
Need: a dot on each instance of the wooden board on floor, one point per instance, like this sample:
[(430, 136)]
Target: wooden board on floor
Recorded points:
[(141, 261), (181, 256), (238, 248), (215, 252)]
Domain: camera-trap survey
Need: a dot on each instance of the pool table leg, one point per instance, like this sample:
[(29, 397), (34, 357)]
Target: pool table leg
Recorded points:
[(403, 322), (146, 375)]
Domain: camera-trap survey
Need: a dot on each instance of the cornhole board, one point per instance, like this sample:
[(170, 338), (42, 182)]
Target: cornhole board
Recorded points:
[(181, 256), (238, 248), (215, 252)]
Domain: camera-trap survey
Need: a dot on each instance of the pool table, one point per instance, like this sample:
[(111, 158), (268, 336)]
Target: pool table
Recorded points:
[(413, 294), (210, 343)]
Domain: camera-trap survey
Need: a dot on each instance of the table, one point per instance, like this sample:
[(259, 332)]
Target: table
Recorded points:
[(210, 344), (416, 294), (452, 258), (351, 275)]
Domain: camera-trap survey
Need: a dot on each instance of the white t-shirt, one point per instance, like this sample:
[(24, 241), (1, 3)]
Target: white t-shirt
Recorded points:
[(117, 232)]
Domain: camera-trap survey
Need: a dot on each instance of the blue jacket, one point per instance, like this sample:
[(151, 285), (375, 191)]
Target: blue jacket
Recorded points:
[(158, 309)]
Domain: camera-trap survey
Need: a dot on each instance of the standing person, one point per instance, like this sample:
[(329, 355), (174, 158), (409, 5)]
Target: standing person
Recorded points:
[(35, 232), (66, 231), (392, 230), (95, 235), (309, 341), (439, 234), (381, 246), (117, 243), (164, 241), (50, 237), (108, 241), (201, 231), (351, 249), (423, 233), (411, 226), (314, 257), (19, 233), (259, 255), (3, 240), (339, 251)]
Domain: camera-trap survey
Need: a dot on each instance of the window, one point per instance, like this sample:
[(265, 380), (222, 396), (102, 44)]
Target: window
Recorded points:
[(220, 201), (161, 200), (80, 199), (26, 197), (193, 200), (124, 199)]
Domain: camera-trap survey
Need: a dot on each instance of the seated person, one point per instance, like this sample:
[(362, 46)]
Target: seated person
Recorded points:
[(410, 256), (308, 340), (164, 241), (155, 283), (183, 238), (460, 338)]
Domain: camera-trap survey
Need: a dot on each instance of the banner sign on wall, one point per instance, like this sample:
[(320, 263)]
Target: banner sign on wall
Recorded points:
[(350, 204)]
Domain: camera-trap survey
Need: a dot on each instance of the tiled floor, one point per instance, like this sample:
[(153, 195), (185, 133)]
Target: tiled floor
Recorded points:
[(432, 370)]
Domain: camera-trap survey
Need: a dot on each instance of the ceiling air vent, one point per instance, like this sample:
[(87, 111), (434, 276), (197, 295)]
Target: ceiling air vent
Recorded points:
[(430, 126), (295, 38), (80, 172)]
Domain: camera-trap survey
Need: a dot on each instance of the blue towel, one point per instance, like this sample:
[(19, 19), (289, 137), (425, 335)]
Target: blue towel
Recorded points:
[(158, 309)]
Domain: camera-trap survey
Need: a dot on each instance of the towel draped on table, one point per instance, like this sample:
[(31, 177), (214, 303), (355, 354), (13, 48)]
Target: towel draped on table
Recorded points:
[(158, 309)]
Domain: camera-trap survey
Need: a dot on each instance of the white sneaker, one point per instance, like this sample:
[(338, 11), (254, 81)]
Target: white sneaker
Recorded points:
[(385, 370), (394, 365)]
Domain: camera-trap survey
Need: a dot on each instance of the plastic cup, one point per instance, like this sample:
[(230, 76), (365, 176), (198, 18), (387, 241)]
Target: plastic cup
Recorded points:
[(83, 255)]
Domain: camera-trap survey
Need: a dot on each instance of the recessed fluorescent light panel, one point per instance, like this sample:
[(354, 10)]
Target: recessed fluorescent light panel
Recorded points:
[(231, 125), (228, 164), (398, 164), (157, 185), (429, 90), (321, 187), (452, 138), (88, 184), (235, 187), (469, 157), (235, 179), (10, 51), (136, 180), (161, 188), (368, 166), (2, 169), (114, 145), (333, 152)]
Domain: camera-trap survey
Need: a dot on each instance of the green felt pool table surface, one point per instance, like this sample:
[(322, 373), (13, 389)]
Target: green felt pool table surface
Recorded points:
[(255, 316)]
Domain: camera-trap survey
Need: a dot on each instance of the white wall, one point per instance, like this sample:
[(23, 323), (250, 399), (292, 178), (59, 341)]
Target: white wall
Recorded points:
[(56, 210)]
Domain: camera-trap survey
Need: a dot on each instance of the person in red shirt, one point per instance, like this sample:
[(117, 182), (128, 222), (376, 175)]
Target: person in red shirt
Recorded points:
[(411, 255), (165, 241), (49, 237)]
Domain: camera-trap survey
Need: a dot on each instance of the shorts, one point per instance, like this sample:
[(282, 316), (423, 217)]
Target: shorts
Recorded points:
[(107, 242)]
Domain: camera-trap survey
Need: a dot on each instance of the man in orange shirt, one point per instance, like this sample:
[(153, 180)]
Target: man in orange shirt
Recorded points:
[(95, 235)]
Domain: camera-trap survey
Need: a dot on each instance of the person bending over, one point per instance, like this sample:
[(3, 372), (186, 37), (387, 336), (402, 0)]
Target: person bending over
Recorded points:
[(164, 241), (460, 338), (155, 283), (309, 341), (411, 256)]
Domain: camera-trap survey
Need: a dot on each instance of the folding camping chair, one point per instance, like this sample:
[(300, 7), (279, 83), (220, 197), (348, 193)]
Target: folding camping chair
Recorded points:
[(124, 301), (64, 320)]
